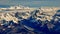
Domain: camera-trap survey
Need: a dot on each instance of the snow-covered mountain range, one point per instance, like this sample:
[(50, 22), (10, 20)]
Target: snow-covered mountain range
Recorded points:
[(30, 17), (38, 13)]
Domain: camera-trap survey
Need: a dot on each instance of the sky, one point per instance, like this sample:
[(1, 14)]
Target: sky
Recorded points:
[(31, 3)]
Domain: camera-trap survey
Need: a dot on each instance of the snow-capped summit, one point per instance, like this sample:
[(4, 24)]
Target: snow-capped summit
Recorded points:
[(19, 7)]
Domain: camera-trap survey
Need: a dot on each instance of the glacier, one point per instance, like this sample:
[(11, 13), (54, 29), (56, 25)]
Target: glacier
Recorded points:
[(44, 20)]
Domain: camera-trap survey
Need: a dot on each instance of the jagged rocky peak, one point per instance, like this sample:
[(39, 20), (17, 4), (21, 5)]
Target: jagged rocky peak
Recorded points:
[(45, 13)]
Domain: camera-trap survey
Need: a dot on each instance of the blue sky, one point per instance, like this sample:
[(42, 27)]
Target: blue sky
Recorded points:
[(32, 3)]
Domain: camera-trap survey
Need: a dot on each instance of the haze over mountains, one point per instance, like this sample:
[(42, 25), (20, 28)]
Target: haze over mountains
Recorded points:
[(31, 3)]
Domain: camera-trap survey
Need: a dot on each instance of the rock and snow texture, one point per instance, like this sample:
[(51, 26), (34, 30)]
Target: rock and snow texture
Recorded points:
[(43, 14)]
